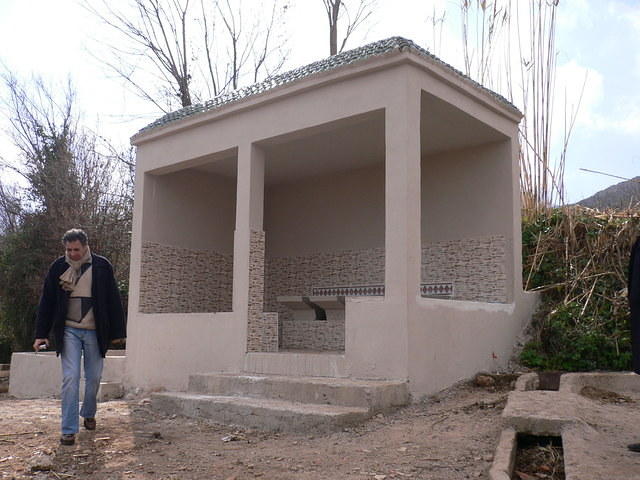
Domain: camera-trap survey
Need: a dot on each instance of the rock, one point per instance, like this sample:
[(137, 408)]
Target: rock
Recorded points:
[(483, 380), (380, 477), (41, 462)]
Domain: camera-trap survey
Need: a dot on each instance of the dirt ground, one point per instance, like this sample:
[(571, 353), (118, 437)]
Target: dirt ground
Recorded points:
[(451, 435)]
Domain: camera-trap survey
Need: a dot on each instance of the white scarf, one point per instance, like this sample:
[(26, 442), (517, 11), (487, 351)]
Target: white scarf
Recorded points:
[(71, 275)]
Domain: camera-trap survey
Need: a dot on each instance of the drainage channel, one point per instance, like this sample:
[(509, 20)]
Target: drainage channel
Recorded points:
[(538, 457)]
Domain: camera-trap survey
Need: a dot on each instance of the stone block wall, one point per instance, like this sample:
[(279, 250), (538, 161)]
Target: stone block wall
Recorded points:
[(475, 266), (262, 328), (320, 335), (180, 280), (298, 275)]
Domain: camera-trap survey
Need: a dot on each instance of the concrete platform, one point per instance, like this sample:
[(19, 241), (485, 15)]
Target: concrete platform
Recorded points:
[(39, 375), (595, 433), (260, 413), (283, 403), (372, 395)]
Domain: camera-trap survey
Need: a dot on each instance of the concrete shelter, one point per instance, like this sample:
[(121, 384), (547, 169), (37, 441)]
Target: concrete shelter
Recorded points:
[(355, 218)]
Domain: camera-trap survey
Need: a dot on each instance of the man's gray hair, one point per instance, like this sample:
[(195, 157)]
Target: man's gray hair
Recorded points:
[(75, 234)]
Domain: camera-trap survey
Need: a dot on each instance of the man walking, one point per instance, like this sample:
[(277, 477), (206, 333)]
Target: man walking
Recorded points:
[(81, 307)]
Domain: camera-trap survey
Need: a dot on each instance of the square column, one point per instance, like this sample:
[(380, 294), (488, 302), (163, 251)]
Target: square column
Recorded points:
[(249, 252), (249, 216), (402, 193)]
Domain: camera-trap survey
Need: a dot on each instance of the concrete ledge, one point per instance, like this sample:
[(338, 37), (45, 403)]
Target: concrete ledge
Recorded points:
[(594, 432), (542, 412), (613, 381), (370, 394), (263, 414), (38, 375), (505, 457)]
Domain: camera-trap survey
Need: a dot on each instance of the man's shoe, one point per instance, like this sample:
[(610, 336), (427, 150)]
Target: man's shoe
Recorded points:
[(68, 439), (634, 447), (90, 423)]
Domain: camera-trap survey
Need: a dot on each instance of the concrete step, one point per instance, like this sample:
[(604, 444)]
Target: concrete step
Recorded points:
[(374, 395), (260, 413)]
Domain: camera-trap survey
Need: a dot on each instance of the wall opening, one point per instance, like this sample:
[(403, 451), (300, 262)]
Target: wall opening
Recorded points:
[(466, 205), (187, 238), (324, 227)]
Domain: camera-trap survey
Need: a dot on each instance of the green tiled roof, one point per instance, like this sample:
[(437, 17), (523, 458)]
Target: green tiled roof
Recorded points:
[(345, 58)]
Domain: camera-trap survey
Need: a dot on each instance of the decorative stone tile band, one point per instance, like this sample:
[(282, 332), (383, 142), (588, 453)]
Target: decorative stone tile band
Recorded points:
[(436, 289), (426, 290), (349, 291)]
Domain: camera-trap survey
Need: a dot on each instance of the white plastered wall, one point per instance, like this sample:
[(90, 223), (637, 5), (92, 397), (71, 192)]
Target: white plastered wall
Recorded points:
[(335, 212), (190, 209), (452, 340)]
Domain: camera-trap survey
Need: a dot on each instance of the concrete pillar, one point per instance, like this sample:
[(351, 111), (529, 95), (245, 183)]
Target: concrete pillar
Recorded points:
[(402, 193), (249, 217), (249, 253), (513, 262)]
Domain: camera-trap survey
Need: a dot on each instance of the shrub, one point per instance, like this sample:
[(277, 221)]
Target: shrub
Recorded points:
[(578, 259)]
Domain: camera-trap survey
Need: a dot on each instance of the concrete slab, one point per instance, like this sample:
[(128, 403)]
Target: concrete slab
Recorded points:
[(38, 375), (371, 394), (264, 414), (542, 412), (595, 433)]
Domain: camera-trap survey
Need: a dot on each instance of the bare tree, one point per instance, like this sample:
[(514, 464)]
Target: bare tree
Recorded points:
[(71, 177), (184, 50), (356, 13), (10, 208)]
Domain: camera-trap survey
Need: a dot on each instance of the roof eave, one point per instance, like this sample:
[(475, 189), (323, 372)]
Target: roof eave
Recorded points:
[(362, 67)]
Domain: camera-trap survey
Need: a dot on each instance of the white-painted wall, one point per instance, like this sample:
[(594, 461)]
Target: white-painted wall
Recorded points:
[(343, 211), (467, 193), (190, 209)]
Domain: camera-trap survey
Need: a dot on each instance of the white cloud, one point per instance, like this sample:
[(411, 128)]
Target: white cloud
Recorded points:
[(579, 91), (623, 117), (574, 14)]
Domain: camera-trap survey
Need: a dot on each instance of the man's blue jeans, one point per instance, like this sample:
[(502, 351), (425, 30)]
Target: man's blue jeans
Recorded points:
[(76, 342)]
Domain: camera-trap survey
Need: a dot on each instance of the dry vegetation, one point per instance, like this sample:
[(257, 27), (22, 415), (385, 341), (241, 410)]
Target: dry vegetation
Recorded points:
[(578, 258)]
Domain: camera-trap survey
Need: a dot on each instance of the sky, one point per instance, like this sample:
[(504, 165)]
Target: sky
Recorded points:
[(597, 45)]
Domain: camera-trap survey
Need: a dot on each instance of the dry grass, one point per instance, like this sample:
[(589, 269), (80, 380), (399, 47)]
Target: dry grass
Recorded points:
[(578, 258)]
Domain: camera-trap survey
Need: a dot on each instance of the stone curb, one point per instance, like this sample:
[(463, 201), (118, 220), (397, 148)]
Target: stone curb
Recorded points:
[(505, 456)]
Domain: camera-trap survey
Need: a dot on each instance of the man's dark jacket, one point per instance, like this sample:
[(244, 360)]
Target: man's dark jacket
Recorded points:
[(634, 303), (107, 306)]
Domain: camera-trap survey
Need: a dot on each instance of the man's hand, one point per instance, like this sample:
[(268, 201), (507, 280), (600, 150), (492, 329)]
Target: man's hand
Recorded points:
[(40, 341), (118, 341)]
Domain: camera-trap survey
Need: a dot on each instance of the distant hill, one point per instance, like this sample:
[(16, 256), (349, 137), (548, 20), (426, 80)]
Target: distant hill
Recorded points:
[(619, 196)]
